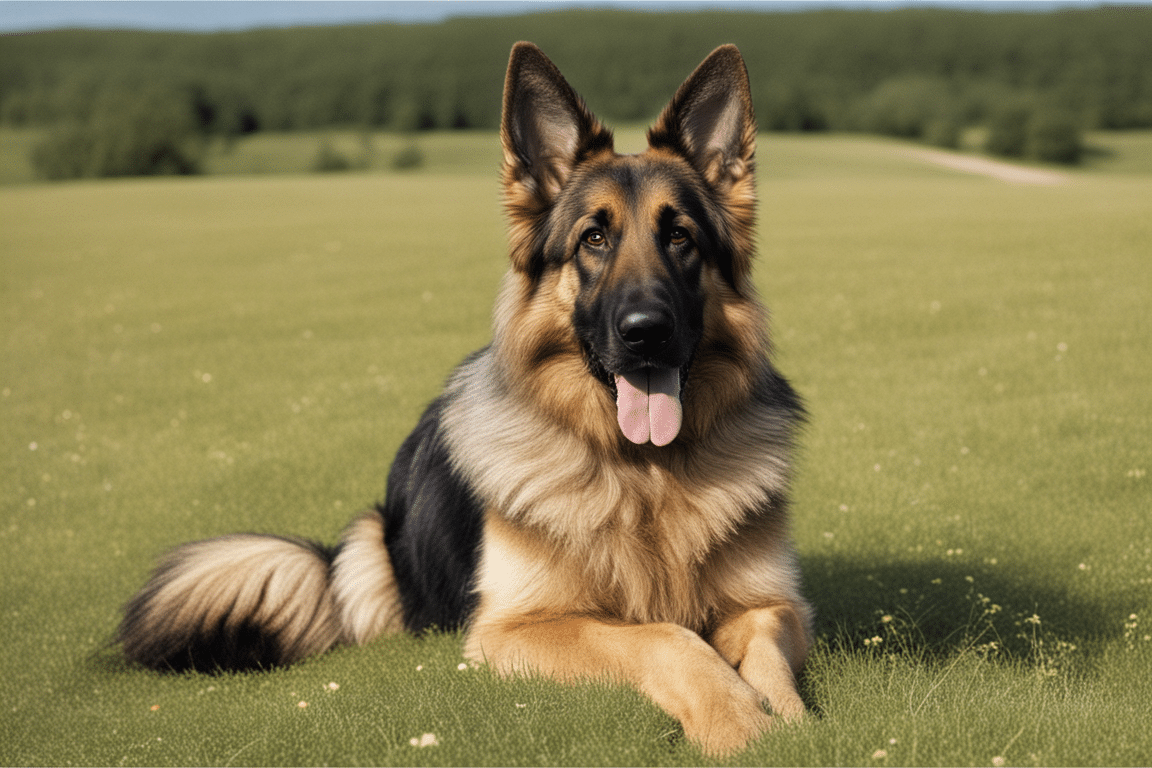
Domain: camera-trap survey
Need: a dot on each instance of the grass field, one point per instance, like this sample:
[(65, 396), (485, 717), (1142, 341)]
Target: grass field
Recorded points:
[(186, 358)]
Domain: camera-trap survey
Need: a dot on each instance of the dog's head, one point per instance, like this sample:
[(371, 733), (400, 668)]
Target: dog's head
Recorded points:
[(635, 242)]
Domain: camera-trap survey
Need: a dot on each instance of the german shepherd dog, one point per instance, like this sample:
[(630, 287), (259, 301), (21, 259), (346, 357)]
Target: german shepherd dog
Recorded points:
[(599, 493)]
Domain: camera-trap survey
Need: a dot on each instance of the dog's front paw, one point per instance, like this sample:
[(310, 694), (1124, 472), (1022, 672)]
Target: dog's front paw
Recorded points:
[(722, 731), (787, 705)]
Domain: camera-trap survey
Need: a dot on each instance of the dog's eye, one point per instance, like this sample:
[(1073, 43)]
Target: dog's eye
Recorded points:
[(594, 237), (677, 236)]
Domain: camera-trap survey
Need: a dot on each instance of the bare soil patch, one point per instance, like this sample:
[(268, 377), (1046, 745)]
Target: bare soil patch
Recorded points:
[(983, 166)]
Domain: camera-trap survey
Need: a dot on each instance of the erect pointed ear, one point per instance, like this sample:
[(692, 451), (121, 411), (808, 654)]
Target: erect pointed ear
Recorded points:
[(710, 121), (546, 129)]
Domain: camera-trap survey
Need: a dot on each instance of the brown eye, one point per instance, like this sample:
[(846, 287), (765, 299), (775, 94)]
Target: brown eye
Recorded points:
[(677, 236), (594, 238)]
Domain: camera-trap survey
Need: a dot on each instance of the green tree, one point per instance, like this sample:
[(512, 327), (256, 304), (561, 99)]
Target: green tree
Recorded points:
[(1054, 136), (128, 135), (1008, 131)]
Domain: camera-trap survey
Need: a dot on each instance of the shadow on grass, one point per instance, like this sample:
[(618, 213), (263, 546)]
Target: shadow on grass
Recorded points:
[(943, 608)]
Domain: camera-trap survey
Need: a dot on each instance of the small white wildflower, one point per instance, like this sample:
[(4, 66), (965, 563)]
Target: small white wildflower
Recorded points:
[(419, 667), (302, 704), (462, 666), (425, 740), (880, 754), (333, 686)]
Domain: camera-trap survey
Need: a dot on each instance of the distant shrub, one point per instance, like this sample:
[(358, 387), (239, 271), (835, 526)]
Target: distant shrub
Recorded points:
[(788, 107), (943, 132), (329, 159), (903, 106), (1044, 133), (1008, 131), (149, 135), (911, 107), (1054, 136), (408, 159)]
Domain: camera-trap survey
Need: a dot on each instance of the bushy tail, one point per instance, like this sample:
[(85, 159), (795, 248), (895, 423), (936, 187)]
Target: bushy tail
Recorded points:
[(250, 601)]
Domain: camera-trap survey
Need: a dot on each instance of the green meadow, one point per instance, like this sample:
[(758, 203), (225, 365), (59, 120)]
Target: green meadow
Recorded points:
[(244, 350)]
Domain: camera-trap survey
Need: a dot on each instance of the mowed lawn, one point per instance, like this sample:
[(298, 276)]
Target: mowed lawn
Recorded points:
[(973, 509)]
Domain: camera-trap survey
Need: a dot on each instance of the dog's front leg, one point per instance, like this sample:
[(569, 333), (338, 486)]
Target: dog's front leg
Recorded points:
[(767, 647), (670, 664)]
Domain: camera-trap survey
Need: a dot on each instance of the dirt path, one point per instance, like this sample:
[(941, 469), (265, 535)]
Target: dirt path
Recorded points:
[(1013, 174)]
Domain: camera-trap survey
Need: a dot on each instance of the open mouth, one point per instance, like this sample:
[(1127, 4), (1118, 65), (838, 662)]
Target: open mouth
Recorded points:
[(648, 405)]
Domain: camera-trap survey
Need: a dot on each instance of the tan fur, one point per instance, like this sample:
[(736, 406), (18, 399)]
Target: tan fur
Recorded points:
[(767, 647)]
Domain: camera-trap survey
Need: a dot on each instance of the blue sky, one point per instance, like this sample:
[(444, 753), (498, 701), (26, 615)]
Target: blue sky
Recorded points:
[(213, 15)]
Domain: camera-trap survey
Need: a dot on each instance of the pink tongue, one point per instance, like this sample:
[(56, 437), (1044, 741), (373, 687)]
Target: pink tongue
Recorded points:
[(648, 405)]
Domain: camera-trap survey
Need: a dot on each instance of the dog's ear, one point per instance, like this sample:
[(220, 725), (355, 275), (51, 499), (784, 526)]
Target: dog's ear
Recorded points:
[(710, 123), (710, 120), (546, 131)]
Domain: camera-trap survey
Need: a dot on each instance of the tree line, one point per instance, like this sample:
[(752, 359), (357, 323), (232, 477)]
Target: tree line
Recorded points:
[(1035, 80)]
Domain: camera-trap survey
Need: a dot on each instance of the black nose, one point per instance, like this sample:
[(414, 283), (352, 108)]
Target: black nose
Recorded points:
[(644, 330)]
